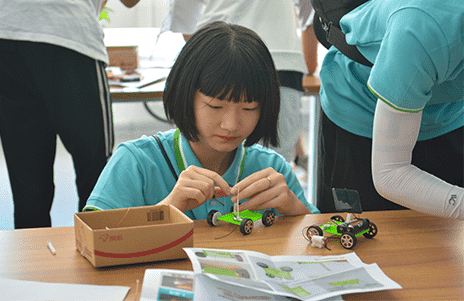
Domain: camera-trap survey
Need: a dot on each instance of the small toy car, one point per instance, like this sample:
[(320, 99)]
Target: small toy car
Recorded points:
[(345, 200), (244, 219)]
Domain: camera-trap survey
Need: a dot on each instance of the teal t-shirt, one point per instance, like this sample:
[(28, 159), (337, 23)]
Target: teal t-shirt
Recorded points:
[(138, 175), (418, 53)]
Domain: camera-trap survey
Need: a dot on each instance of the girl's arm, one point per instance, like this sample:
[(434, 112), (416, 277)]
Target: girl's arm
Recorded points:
[(396, 179)]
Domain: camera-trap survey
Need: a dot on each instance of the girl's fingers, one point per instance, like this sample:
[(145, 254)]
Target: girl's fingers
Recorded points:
[(259, 176), (216, 179), (219, 193)]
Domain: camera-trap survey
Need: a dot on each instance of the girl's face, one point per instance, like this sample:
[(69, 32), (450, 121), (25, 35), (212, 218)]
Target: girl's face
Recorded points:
[(223, 124)]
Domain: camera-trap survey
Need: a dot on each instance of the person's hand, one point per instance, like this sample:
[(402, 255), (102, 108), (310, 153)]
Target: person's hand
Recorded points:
[(268, 189), (195, 186), (130, 3), (103, 5)]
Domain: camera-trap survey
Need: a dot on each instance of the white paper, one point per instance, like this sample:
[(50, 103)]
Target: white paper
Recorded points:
[(13, 290), (299, 277)]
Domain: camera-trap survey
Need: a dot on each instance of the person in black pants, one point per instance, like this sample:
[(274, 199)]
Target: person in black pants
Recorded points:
[(52, 82), (45, 91)]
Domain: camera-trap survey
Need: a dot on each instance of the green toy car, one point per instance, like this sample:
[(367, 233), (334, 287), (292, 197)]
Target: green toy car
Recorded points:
[(244, 219), (348, 201), (348, 231)]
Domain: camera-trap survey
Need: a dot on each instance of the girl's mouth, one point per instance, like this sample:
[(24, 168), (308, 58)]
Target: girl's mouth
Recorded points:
[(227, 138)]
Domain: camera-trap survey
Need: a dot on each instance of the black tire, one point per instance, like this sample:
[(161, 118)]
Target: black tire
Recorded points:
[(338, 218), (268, 218), (314, 230), (246, 226), (200, 254), (348, 240), (286, 269), (242, 273), (262, 265), (210, 218), (372, 231)]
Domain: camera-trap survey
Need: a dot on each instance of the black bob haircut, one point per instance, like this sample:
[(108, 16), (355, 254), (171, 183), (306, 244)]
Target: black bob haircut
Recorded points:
[(228, 62)]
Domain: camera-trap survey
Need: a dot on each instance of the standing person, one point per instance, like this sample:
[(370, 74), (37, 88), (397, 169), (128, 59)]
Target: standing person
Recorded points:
[(309, 44), (222, 94), (274, 21), (394, 132), (52, 82)]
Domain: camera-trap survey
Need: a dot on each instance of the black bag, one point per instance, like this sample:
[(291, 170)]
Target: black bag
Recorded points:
[(327, 26)]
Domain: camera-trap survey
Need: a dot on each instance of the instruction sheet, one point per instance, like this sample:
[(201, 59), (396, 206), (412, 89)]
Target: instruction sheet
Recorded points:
[(247, 275)]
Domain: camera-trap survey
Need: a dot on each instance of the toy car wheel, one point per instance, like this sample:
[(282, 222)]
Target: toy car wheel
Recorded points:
[(268, 218), (314, 230), (212, 218), (239, 258), (262, 265), (246, 226), (242, 273), (372, 231), (286, 269), (200, 254), (338, 218), (348, 240)]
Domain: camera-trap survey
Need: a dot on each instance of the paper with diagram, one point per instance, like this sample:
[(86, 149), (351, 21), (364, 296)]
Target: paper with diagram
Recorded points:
[(297, 277)]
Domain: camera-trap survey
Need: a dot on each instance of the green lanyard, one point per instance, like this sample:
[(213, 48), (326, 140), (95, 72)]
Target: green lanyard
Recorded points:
[(182, 162)]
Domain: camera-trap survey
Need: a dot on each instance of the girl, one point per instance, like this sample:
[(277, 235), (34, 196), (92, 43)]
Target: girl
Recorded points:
[(223, 95)]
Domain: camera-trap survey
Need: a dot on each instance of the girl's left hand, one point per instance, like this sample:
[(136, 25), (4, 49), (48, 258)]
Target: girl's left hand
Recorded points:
[(268, 189)]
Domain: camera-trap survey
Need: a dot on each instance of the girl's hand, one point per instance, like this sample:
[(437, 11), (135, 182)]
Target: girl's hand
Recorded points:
[(268, 189), (195, 186)]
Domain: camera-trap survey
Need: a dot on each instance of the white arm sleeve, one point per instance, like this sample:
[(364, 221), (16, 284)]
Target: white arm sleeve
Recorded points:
[(396, 179)]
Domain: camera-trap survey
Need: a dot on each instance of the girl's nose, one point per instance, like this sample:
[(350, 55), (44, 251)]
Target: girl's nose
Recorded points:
[(230, 120)]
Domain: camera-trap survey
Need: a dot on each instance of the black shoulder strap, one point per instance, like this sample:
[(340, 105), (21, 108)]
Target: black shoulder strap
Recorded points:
[(170, 165), (166, 157), (327, 27)]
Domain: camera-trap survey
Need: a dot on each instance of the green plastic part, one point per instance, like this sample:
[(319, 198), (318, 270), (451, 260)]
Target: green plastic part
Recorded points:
[(297, 290), (229, 217), (346, 282), (220, 271), (218, 254), (277, 273)]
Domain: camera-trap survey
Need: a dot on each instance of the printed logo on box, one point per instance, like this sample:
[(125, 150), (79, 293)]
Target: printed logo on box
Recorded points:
[(108, 237)]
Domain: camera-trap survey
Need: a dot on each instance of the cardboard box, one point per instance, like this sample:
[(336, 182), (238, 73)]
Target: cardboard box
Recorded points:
[(132, 235), (124, 57)]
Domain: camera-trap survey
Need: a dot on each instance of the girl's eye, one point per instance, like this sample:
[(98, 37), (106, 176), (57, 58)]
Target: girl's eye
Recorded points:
[(251, 109), (214, 107)]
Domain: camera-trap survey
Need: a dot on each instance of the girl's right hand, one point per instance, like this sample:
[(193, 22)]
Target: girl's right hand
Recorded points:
[(195, 186)]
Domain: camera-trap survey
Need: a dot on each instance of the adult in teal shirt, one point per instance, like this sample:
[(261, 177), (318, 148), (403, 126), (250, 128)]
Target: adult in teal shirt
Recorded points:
[(394, 132), (223, 95)]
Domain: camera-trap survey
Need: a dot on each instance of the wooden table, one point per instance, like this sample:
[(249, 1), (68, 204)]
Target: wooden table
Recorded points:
[(424, 254)]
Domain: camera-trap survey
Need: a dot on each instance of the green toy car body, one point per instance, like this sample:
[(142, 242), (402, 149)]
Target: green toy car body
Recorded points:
[(245, 220), (348, 231)]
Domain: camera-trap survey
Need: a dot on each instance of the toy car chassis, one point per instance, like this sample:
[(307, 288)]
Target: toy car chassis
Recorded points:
[(348, 231), (348, 201), (245, 220)]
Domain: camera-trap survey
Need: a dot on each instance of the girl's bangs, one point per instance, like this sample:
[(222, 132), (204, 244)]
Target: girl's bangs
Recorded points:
[(232, 78)]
